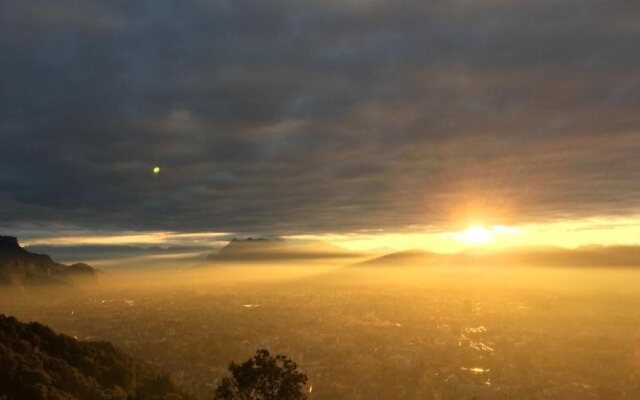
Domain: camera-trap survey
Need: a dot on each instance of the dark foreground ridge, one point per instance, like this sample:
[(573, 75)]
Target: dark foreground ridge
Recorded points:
[(38, 364), (19, 266)]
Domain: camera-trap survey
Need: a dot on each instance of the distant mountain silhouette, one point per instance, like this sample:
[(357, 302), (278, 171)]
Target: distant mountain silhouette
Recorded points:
[(19, 266), (38, 364), (402, 258), (587, 256), (72, 253), (81, 269), (261, 249)]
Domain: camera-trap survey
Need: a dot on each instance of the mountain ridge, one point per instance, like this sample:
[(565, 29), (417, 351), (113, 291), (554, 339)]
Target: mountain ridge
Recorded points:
[(262, 249), (584, 256), (18, 266)]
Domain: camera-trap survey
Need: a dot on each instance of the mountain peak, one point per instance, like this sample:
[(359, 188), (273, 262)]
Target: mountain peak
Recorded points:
[(277, 249), (251, 239), (18, 265)]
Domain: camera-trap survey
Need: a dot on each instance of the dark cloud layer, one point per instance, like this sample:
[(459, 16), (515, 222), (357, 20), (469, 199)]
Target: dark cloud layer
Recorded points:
[(312, 116)]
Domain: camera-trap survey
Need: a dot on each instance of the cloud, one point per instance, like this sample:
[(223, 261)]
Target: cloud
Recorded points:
[(295, 117)]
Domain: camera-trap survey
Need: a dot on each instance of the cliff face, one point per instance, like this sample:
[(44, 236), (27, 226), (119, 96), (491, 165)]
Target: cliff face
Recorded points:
[(19, 266)]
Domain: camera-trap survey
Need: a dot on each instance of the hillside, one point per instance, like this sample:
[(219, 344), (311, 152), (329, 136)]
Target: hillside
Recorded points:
[(21, 267), (407, 257), (38, 364), (588, 256)]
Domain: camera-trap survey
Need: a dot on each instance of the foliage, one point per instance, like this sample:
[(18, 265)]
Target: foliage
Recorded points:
[(263, 377), (38, 364)]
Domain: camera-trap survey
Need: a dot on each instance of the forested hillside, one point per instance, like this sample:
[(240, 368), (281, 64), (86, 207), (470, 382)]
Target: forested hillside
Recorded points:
[(38, 364)]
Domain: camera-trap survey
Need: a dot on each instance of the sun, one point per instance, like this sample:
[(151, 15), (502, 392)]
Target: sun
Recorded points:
[(476, 235), (156, 170)]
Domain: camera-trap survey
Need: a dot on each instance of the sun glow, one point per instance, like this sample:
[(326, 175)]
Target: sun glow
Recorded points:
[(476, 236)]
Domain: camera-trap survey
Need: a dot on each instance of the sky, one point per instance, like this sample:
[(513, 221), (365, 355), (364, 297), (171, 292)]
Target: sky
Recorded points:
[(370, 123)]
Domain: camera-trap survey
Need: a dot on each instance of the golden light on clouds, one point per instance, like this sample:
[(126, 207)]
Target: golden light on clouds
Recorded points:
[(133, 238), (568, 234)]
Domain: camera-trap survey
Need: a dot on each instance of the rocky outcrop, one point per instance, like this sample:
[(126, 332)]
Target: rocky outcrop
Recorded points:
[(19, 266)]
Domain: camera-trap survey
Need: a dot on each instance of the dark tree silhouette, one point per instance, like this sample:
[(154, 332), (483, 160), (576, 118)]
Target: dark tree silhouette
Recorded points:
[(38, 364), (263, 377)]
